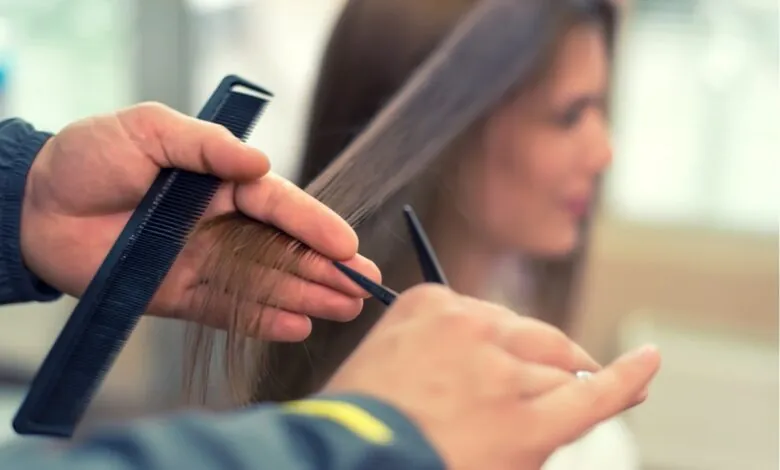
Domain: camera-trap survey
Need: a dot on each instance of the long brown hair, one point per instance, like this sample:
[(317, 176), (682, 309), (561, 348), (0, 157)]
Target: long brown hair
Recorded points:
[(402, 82)]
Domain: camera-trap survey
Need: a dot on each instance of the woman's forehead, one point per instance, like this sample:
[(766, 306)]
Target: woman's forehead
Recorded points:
[(579, 68)]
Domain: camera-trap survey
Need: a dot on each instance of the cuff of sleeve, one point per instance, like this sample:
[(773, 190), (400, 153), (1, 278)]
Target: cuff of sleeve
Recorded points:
[(405, 434), (19, 144)]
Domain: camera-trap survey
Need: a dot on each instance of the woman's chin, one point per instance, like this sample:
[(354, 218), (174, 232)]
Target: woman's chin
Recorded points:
[(555, 245)]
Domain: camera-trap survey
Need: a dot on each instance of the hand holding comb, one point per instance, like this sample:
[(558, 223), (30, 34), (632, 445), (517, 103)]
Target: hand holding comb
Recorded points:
[(129, 276)]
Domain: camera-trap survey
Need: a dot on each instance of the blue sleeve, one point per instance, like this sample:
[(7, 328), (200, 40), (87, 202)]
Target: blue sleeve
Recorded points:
[(19, 144), (324, 433)]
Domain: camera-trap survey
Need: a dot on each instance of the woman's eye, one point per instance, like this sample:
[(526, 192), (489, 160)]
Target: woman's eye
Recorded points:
[(571, 117)]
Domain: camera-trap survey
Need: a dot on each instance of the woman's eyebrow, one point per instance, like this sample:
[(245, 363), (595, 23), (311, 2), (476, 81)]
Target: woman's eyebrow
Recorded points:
[(584, 100)]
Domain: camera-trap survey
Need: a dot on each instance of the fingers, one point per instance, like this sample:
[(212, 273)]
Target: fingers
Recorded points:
[(569, 411), (280, 203), (532, 340), (535, 341), (295, 294), (313, 266), (173, 139), (251, 318), (534, 380), (290, 293), (527, 339), (273, 324), (319, 269)]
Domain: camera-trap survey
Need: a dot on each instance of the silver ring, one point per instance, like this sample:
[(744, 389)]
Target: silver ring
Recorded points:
[(583, 375)]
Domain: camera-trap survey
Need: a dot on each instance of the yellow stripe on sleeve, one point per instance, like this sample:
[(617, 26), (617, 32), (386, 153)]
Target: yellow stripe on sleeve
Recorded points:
[(352, 417)]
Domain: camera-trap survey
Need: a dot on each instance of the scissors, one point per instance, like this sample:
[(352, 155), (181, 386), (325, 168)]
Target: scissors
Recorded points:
[(429, 263)]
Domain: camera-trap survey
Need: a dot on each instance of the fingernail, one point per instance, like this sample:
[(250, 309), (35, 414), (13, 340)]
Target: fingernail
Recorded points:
[(644, 351), (641, 398)]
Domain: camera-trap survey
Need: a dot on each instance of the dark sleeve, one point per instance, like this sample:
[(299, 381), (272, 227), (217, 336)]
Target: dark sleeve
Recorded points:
[(325, 433), (19, 144)]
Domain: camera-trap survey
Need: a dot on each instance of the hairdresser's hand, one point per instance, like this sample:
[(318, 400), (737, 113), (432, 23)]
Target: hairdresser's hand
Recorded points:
[(490, 389), (87, 180)]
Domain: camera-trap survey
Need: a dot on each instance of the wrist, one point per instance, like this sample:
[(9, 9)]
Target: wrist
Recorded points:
[(28, 230), (19, 146)]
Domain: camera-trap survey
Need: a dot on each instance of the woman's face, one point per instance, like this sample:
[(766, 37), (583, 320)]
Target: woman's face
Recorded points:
[(539, 157)]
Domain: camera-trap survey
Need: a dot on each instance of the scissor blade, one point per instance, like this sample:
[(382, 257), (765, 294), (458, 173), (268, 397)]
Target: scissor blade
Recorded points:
[(431, 269), (379, 292)]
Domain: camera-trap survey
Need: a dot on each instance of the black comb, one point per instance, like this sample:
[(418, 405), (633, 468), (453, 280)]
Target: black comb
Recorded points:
[(130, 275)]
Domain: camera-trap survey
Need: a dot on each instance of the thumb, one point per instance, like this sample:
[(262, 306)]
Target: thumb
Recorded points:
[(175, 140), (571, 410)]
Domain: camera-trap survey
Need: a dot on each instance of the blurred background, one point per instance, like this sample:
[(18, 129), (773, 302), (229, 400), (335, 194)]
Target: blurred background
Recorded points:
[(686, 247)]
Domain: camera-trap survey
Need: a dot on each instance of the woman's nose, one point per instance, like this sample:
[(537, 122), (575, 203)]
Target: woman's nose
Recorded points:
[(599, 149)]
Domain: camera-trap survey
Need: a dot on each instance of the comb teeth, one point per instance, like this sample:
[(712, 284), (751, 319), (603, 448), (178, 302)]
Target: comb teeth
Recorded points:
[(124, 297), (238, 110), (127, 280)]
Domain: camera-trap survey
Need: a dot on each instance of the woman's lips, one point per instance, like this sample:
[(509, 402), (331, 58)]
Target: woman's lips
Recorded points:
[(578, 207)]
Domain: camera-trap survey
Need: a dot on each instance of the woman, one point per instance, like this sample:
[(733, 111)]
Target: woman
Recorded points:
[(506, 202)]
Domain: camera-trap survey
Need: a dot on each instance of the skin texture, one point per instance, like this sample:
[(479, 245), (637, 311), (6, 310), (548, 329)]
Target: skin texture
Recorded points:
[(491, 389), (86, 181), (541, 154), (530, 178), (500, 182)]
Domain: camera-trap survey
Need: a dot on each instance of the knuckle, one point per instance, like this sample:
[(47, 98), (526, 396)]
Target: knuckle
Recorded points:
[(144, 121), (552, 335), (152, 108), (565, 352), (457, 315), (472, 324), (495, 374), (426, 294), (559, 341), (352, 312), (561, 352), (508, 379), (220, 131), (553, 346)]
